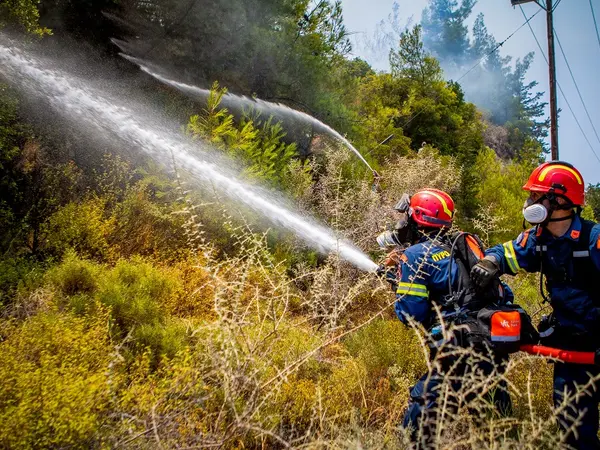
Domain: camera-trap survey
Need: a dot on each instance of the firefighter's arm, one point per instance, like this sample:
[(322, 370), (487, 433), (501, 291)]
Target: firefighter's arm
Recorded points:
[(592, 318), (517, 254), (595, 246), (412, 293)]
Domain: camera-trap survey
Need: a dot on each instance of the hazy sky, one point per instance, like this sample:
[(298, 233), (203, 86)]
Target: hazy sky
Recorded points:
[(574, 26)]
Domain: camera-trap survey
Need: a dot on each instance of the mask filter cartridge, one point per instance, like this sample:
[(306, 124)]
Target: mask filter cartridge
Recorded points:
[(534, 214)]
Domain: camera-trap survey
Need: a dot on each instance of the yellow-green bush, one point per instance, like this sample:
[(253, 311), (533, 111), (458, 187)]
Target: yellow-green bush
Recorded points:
[(56, 381), (500, 196), (146, 227), (386, 343), (80, 226), (136, 292), (75, 275), (165, 339)]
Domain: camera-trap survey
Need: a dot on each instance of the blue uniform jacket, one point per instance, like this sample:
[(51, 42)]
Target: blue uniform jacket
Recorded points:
[(423, 278), (572, 306)]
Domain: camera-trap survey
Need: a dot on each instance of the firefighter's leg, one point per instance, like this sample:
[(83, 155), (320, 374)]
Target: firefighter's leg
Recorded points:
[(497, 399), (500, 396), (566, 378), (419, 418)]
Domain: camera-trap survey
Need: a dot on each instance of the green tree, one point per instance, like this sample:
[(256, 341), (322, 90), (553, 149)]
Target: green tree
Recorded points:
[(444, 30), (592, 198), (24, 13), (411, 60)]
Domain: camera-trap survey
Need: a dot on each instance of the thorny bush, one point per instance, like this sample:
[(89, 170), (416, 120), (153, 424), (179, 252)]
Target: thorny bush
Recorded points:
[(240, 348)]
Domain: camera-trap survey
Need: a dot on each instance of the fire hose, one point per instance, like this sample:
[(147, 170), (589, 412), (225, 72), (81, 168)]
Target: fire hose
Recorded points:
[(567, 356)]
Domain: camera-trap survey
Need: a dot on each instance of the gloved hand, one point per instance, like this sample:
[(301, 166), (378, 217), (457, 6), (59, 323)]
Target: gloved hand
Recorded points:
[(484, 272), (546, 326), (388, 274), (381, 270)]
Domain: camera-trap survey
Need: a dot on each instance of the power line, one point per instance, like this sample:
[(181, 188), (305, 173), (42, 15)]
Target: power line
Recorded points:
[(561, 90), (595, 23), (556, 6), (478, 63), (576, 86)]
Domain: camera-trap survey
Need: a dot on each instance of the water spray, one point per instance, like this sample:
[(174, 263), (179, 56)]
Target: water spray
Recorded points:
[(77, 101), (278, 109)]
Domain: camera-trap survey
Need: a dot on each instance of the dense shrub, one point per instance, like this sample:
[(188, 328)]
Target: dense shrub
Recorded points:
[(80, 226), (57, 381)]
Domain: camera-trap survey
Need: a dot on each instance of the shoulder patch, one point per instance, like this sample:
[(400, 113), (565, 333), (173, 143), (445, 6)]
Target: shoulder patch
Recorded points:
[(575, 234), (523, 238)]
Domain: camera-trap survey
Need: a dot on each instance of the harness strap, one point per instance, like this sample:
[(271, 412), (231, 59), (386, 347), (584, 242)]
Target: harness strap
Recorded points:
[(584, 272), (576, 253)]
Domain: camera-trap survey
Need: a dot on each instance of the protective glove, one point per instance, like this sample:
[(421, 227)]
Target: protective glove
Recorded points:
[(546, 326), (388, 274), (381, 270), (484, 272)]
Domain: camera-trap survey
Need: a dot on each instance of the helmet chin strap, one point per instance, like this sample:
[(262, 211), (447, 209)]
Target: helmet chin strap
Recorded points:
[(555, 206), (561, 219)]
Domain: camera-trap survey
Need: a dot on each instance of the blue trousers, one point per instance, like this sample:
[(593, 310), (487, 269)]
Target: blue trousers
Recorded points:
[(423, 403), (565, 378)]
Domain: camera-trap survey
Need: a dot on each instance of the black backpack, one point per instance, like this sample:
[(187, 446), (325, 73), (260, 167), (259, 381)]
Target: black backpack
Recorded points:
[(466, 250), (488, 319)]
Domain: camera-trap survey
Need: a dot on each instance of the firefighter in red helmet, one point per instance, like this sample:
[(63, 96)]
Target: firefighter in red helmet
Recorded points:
[(565, 249), (422, 276)]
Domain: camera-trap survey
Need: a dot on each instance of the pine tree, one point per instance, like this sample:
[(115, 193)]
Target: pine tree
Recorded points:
[(444, 31)]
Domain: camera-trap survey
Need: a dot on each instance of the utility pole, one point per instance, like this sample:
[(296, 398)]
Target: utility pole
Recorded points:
[(552, 67), (553, 100)]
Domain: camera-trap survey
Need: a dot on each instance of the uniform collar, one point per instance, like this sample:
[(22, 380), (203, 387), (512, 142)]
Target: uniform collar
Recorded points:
[(433, 236), (572, 233)]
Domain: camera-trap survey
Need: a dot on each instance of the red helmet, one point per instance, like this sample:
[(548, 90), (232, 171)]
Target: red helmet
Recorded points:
[(432, 208), (557, 177)]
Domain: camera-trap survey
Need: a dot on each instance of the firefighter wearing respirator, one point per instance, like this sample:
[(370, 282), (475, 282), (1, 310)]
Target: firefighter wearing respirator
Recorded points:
[(565, 249)]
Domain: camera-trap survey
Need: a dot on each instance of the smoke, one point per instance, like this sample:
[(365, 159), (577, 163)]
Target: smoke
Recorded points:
[(468, 53), (375, 47)]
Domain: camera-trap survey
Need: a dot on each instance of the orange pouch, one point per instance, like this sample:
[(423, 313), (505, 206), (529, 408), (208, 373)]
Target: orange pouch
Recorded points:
[(505, 326), (502, 326)]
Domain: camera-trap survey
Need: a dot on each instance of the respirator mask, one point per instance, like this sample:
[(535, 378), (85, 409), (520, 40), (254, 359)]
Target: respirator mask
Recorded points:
[(404, 231), (536, 213)]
